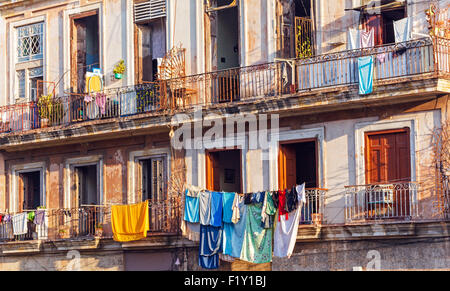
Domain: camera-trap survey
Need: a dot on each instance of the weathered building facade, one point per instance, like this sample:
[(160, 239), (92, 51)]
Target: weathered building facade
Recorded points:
[(77, 137)]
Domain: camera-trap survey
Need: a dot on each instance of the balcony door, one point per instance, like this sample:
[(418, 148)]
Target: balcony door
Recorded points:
[(388, 162)]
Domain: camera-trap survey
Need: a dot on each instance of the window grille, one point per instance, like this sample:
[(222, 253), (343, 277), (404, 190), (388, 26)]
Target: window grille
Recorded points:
[(30, 39), (21, 84), (152, 9)]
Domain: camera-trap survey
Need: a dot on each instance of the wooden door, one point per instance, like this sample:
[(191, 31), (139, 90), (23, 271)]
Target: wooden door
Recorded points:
[(375, 22), (388, 162), (287, 167), (212, 171)]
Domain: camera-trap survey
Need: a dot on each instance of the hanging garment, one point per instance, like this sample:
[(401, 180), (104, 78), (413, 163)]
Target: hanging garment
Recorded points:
[(130, 222), (6, 231), (259, 197), (286, 231), (354, 41), (191, 231), (205, 207), (282, 204), (228, 199), (291, 199), (365, 67), (19, 223), (257, 244), (402, 30), (88, 98), (216, 209), (301, 192), (31, 216), (210, 246), (191, 209), (381, 57), (268, 212), (39, 217), (100, 100), (238, 232), (227, 245), (275, 198), (238, 200), (193, 191), (367, 38), (248, 199)]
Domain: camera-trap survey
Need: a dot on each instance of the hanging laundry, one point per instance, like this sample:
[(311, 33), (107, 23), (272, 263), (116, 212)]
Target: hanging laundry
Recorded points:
[(31, 216), (130, 222), (210, 246), (100, 100), (381, 57), (238, 232), (205, 207), (88, 98), (291, 199), (257, 244), (227, 241), (248, 199), (365, 67), (286, 230), (367, 38), (227, 205), (268, 212), (39, 217), (192, 191), (191, 209), (216, 209), (238, 200), (275, 198), (402, 30), (19, 223), (354, 41), (191, 231), (282, 204)]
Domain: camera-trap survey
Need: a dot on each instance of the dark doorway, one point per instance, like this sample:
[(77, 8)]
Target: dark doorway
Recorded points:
[(31, 183), (223, 171)]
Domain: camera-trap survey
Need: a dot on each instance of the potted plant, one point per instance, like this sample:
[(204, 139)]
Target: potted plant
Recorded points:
[(62, 233), (45, 108), (119, 69)]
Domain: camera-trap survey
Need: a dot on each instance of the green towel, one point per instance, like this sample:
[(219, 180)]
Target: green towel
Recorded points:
[(31, 216)]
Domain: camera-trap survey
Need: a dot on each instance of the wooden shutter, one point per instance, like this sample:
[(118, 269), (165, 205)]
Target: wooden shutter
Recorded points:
[(388, 157), (212, 172)]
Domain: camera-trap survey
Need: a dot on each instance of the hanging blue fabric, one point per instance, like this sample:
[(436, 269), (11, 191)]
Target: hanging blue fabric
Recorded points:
[(365, 67), (191, 209), (216, 209), (228, 199), (210, 246)]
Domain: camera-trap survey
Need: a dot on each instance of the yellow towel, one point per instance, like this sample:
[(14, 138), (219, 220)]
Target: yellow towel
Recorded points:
[(130, 222), (93, 84)]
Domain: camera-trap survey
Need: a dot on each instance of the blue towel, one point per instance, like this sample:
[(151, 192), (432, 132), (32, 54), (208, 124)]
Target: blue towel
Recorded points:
[(227, 240), (210, 240), (237, 235), (205, 207), (365, 68), (209, 262), (191, 209), (216, 209), (228, 199)]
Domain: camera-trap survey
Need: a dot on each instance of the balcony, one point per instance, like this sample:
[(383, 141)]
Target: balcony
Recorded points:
[(404, 62), (381, 202), (89, 222), (313, 209)]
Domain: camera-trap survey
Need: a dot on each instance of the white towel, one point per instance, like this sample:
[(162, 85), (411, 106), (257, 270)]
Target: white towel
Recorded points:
[(402, 30), (286, 230), (19, 222), (367, 38), (354, 41)]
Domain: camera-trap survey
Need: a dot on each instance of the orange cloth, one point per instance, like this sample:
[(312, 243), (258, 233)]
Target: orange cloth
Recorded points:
[(130, 222)]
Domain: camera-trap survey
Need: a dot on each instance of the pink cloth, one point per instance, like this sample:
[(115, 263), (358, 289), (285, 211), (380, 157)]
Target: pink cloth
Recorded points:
[(367, 38), (100, 100)]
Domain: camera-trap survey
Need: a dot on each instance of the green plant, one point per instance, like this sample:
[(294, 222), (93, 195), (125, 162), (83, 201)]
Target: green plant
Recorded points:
[(50, 108), (303, 44), (120, 67)]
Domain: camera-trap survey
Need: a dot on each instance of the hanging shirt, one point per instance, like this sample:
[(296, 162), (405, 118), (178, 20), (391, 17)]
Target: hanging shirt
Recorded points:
[(228, 199), (216, 209), (19, 223), (291, 199), (191, 209), (259, 197), (365, 67), (402, 30), (238, 199), (130, 222), (257, 244), (268, 212), (367, 38), (39, 217), (238, 231), (205, 207)]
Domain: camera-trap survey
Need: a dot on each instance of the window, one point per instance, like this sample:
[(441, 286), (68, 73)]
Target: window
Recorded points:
[(30, 41), (154, 178), (30, 186), (223, 171), (21, 83)]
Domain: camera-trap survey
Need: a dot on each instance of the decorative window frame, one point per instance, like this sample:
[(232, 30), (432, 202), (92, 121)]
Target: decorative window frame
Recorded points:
[(364, 127), (69, 167), (15, 171), (134, 158), (15, 66)]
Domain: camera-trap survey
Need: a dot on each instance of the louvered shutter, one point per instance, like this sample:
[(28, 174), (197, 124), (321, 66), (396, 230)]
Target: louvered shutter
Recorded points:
[(149, 10)]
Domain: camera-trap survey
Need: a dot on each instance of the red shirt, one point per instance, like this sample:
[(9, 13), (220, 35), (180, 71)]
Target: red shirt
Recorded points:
[(282, 204)]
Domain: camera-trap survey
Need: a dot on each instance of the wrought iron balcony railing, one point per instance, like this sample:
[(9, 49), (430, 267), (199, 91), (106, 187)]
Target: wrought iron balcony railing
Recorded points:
[(396, 201), (428, 56)]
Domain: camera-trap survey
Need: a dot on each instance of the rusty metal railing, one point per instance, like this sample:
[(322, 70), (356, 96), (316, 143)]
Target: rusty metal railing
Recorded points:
[(313, 210)]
